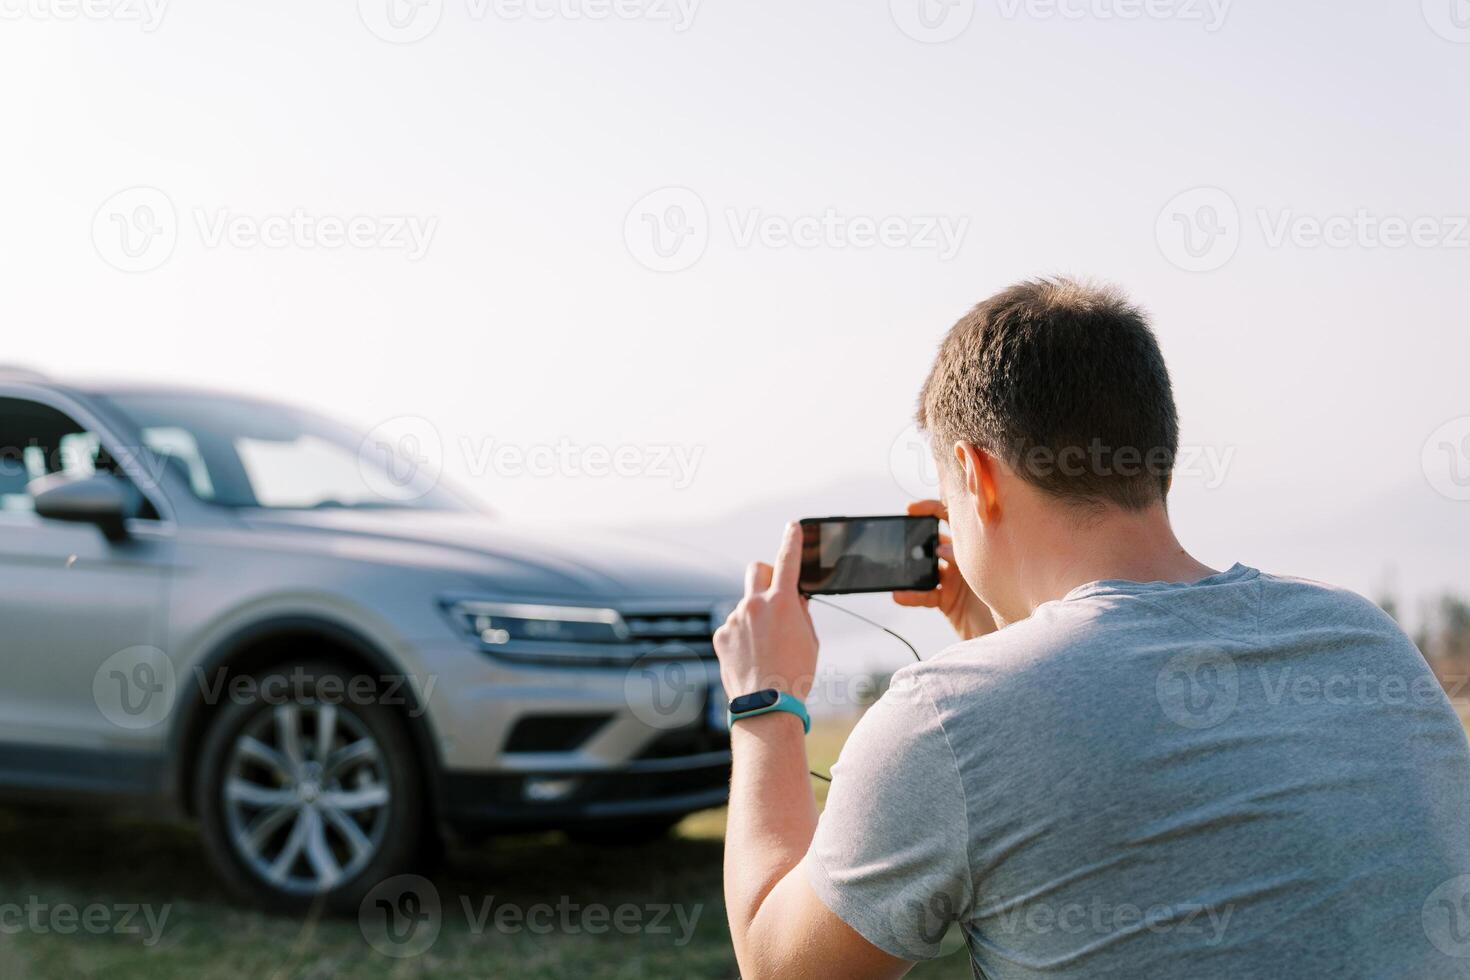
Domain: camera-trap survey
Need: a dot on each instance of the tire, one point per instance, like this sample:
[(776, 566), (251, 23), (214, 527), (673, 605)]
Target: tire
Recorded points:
[(350, 816), (624, 833)]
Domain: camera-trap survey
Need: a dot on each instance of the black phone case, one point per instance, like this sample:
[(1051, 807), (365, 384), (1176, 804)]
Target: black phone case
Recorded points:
[(926, 584)]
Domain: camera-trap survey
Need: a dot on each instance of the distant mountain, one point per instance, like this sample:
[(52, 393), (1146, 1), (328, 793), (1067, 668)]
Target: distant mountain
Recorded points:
[(1411, 541)]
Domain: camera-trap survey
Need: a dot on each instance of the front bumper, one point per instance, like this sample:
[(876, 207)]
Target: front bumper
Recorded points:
[(647, 788), (527, 747)]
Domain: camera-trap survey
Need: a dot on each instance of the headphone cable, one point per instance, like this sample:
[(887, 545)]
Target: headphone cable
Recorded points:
[(875, 625)]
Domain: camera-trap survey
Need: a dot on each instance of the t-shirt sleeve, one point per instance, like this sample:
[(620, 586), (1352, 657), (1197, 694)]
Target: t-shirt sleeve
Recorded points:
[(891, 852)]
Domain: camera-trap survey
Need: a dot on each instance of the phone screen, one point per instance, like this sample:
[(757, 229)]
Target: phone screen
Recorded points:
[(869, 554)]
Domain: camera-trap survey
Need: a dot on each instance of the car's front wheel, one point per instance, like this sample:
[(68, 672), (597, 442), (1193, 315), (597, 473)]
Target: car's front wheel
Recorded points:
[(305, 795)]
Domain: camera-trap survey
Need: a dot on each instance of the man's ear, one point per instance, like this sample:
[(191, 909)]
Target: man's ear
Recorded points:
[(977, 468)]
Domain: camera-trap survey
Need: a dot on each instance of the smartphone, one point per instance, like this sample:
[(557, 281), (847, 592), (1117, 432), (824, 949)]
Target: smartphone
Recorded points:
[(840, 555)]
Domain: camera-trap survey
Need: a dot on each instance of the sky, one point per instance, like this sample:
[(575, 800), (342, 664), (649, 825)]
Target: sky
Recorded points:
[(671, 264)]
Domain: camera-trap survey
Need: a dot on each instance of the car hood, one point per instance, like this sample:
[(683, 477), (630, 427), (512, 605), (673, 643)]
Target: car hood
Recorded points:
[(519, 560)]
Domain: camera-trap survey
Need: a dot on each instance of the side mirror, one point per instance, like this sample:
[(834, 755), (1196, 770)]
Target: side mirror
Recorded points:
[(102, 499)]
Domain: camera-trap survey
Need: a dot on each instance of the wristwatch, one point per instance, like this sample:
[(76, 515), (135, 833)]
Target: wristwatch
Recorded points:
[(764, 702)]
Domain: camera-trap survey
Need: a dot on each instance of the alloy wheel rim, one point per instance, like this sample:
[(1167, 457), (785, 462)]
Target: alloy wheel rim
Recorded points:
[(306, 796)]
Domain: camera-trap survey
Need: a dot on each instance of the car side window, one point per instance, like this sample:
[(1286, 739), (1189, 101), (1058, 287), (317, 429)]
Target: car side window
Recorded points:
[(37, 440)]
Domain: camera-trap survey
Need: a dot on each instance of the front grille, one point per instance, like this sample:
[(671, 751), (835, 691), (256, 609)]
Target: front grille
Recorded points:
[(553, 733), (681, 742), (659, 627)]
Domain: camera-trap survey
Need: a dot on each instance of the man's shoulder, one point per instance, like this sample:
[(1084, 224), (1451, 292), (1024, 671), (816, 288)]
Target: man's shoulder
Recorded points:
[(1288, 597), (1029, 650)]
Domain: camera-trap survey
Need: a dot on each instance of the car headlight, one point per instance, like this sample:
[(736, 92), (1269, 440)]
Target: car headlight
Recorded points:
[(498, 623)]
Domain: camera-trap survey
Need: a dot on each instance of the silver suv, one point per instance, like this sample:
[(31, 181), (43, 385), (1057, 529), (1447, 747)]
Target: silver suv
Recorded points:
[(266, 622)]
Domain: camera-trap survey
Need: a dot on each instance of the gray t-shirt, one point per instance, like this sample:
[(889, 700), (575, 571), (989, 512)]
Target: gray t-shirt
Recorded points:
[(1246, 776)]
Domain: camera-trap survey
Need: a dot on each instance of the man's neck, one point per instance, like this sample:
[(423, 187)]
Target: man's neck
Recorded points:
[(1135, 546)]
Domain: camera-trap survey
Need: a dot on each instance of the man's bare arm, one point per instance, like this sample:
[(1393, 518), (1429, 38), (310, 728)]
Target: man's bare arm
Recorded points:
[(780, 928)]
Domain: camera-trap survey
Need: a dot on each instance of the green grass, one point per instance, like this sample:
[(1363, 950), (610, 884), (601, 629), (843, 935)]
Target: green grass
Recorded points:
[(81, 859)]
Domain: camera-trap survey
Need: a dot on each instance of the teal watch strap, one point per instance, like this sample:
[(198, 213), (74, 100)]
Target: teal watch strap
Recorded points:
[(784, 702)]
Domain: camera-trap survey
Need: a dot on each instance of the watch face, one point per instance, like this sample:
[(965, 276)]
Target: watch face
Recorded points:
[(752, 702)]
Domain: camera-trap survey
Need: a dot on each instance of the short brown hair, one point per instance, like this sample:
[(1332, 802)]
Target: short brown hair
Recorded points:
[(1065, 382)]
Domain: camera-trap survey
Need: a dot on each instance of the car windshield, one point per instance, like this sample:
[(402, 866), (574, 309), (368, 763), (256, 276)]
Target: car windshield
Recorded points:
[(238, 452)]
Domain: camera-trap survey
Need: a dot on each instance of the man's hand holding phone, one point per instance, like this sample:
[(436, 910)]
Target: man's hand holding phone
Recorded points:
[(769, 640), (964, 610)]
